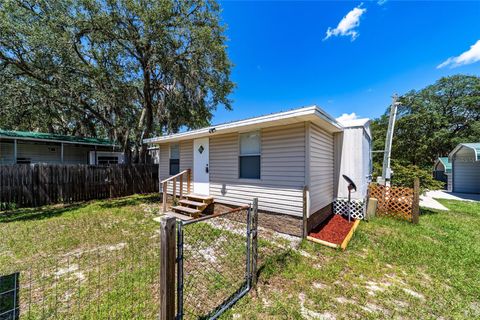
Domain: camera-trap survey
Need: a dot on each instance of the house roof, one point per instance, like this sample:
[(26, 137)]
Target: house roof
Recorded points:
[(446, 164), (473, 146), (311, 113), (50, 137)]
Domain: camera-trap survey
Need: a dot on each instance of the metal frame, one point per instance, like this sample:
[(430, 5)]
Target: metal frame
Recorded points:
[(13, 313), (250, 266)]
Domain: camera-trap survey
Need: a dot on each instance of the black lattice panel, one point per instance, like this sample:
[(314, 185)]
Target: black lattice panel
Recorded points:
[(357, 208)]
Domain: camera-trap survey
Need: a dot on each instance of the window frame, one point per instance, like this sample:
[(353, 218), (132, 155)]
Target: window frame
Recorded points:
[(170, 159), (259, 155)]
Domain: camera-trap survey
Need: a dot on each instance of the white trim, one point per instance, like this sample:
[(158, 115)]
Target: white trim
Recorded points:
[(457, 148), (311, 113), (307, 157)]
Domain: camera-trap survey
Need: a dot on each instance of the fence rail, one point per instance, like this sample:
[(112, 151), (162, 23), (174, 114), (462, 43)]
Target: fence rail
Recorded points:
[(38, 184)]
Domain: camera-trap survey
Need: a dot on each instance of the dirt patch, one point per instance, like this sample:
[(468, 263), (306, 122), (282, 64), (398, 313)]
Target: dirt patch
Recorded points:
[(333, 230), (282, 223)]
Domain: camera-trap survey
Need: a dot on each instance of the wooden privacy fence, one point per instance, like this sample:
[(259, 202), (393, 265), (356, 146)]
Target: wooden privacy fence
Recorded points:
[(39, 184), (398, 202)]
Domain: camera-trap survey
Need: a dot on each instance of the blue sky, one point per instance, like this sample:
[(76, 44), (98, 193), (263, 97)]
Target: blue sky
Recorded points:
[(283, 60)]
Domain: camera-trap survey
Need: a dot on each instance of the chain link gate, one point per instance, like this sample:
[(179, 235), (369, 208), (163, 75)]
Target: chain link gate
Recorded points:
[(216, 262)]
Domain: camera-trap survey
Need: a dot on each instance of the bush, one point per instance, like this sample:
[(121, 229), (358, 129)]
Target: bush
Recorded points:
[(404, 174)]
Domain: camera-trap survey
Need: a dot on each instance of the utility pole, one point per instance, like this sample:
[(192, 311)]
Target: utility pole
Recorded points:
[(386, 170)]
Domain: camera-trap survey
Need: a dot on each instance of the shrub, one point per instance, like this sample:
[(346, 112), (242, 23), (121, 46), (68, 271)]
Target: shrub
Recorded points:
[(404, 174)]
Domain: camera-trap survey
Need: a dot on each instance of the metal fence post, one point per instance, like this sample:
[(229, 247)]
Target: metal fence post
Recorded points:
[(167, 268), (254, 242)]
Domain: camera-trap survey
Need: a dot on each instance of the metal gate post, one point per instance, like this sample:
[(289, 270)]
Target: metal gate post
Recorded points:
[(254, 242), (249, 239)]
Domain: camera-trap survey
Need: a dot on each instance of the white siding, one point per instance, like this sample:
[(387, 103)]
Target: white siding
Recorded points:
[(164, 161), (73, 154), (38, 153), (321, 163), (282, 170), (466, 172), (186, 162), (186, 155), (450, 182), (353, 154)]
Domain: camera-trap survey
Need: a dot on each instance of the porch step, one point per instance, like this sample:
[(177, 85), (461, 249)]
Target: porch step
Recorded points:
[(191, 211), (178, 216), (199, 197), (192, 203)]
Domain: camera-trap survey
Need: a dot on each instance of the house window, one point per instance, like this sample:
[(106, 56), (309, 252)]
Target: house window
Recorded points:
[(24, 161), (107, 160), (249, 159), (174, 159)]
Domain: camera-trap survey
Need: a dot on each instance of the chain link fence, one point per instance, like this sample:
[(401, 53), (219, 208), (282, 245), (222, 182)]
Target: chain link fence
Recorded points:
[(216, 262), (105, 282)]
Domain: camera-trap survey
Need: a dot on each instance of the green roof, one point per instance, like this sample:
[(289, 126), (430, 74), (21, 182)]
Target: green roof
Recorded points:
[(446, 163), (29, 135)]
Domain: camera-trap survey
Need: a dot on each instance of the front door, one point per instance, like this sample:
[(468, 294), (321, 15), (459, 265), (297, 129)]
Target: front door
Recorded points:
[(201, 177)]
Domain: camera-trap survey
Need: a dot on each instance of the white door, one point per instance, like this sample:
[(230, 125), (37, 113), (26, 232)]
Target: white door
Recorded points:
[(201, 177)]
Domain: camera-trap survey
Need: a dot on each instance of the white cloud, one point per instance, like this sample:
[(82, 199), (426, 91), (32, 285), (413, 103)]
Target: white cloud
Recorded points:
[(381, 2), (347, 26), (347, 117), (470, 56)]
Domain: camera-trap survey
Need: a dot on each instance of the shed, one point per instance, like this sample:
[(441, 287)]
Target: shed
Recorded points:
[(442, 170), (465, 159)]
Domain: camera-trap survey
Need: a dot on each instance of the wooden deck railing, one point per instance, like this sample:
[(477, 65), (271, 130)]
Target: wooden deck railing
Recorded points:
[(180, 177)]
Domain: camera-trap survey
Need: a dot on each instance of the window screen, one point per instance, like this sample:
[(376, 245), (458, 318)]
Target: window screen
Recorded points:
[(249, 160), (174, 159)]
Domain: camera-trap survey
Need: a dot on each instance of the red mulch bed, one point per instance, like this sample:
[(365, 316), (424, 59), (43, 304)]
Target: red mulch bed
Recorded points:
[(333, 230)]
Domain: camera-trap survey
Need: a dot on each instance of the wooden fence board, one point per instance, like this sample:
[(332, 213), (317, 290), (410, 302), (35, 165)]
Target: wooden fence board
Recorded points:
[(41, 184)]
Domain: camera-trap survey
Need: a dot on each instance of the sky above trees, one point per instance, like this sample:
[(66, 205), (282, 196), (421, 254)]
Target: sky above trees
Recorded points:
[(344, 56)]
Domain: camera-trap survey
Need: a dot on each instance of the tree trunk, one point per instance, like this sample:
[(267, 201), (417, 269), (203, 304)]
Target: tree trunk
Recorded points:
[(147, 115)]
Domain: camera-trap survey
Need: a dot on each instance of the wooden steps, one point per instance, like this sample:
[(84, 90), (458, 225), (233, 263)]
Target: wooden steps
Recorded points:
[(199, 197), (193, 205), (188, 210)]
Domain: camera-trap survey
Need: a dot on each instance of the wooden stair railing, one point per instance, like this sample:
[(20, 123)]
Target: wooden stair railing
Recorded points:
[(179, 176)]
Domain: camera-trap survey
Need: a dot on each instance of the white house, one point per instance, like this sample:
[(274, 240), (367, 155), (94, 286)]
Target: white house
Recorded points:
[(274, 158)]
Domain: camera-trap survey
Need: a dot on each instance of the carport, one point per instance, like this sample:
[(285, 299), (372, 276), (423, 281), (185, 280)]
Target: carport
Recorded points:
[(465, 159)]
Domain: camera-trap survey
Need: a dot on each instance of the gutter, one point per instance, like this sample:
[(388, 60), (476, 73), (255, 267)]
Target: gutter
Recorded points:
[(311, 110)]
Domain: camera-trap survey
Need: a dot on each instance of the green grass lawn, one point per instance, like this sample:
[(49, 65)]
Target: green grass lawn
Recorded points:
[(103, 257), (390, 269), (93, 260)]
